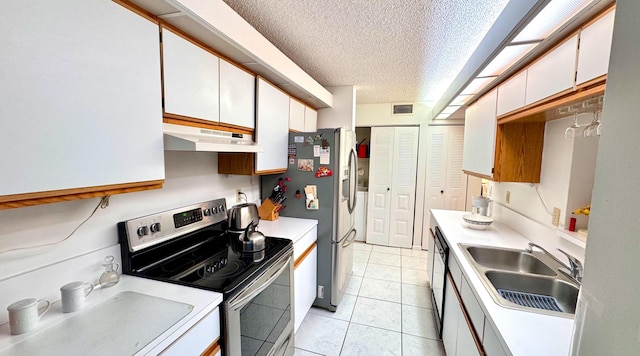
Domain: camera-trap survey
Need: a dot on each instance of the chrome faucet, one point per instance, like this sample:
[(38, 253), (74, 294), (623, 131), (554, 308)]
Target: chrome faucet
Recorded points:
[(575, 266)]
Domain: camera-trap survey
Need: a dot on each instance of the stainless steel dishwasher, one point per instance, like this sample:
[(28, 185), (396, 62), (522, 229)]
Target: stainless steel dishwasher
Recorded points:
[(438, 276)]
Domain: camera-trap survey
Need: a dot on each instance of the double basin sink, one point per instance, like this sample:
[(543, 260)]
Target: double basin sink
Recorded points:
[(525, 281)]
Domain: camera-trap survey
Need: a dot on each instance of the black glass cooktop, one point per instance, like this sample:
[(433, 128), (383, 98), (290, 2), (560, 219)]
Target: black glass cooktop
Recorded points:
[(215, 263)]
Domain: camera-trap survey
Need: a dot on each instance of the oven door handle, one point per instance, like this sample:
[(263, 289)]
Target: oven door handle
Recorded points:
[(239, 303)]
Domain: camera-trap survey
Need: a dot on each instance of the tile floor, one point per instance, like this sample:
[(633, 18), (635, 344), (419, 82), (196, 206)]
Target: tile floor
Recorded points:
[(385, 311)]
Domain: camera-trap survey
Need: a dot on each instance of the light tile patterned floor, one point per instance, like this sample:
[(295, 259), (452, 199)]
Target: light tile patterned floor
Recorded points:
[(386, 311)]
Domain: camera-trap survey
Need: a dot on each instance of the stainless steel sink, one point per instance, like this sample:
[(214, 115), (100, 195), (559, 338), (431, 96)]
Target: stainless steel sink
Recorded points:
[(532, 290), (524, 281), (510, 260)]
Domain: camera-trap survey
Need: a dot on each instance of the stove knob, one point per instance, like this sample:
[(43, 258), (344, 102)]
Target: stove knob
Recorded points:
[(207, 212), (221, 208), (155, 227), (143, 230), (214, 210)]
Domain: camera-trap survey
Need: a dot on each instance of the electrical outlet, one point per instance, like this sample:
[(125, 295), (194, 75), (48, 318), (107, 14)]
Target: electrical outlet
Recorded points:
[(555, 220), (238, 195), (508, 197)]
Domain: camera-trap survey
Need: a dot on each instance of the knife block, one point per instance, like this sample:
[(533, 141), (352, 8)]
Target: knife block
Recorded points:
[(268, 210)]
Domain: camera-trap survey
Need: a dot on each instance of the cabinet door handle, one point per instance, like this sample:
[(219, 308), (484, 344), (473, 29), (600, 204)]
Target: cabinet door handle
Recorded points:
[(388, 189), (442, 192)]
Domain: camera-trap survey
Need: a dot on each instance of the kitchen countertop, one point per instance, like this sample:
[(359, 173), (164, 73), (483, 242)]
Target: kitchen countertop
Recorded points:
[(286, 227), (201, 301), (521, 332)]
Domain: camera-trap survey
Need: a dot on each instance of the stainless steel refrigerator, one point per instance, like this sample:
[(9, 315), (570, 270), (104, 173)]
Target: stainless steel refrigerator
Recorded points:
[(321, 183)]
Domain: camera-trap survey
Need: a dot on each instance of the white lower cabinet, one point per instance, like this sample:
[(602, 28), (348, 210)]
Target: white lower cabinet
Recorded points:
[(305, 252), (200, 338), (452, 313), (466, 331)]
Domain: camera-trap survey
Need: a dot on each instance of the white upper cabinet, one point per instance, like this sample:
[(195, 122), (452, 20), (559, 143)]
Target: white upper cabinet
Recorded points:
[(553, 73), (511, 93), (595, 46), (480, 136), (296, 115), (191, 85), (272, 128), (80, 100), (310, 119), (237, 96), (301, 117)]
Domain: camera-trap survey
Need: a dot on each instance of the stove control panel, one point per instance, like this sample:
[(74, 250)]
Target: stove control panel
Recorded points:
[(152, 229)]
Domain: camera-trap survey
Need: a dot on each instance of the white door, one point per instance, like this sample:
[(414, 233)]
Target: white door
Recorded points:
[(447, 185), (380, 175), (455, 181), (436, 168), (403, 186)]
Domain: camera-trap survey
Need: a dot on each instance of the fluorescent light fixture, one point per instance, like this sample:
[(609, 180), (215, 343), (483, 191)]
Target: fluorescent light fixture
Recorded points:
[(506, 58), (442, 116), (554, 15), (477, 85), (461, 99), (450, 109)]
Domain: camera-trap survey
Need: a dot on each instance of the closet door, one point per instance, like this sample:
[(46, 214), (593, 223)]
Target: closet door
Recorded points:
[(455, 181), (403, 186), (380, 175)]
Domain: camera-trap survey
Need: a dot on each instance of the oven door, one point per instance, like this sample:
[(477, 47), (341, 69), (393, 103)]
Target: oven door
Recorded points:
[(259, 319)]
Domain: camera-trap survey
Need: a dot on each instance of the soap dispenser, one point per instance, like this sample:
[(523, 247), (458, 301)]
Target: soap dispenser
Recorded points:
[(110, 275)]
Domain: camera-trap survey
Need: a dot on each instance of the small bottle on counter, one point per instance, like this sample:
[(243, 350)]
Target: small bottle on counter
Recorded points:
[(110, 275)]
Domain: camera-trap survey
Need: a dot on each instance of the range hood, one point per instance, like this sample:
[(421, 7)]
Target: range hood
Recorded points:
[(186, 138)]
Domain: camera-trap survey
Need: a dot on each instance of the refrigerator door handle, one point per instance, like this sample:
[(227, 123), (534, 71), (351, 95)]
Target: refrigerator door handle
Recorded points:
[(345, 240), (353, 171), (348, 241)]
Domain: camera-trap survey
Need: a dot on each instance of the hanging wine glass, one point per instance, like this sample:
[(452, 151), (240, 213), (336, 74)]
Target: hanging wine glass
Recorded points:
[(573, 130), (593, 128)]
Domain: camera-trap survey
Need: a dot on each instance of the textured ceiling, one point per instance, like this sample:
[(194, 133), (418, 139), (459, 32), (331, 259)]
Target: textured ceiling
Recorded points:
[(390, 50)]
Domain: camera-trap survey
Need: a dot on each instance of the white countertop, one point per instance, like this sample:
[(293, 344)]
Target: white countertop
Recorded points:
[(521, 332), (286, 227), (203, 302)]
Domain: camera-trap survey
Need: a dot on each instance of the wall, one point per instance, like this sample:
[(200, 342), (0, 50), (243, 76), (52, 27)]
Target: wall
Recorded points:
[(566, 178), (607, 315), (343, 112), (380, 115), (191, 177)]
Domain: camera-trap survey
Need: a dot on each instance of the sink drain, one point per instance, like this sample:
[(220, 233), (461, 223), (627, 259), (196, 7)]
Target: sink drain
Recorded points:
[(531, 300)]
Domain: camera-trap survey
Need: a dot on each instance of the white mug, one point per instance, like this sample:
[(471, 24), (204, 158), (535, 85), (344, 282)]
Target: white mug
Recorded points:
[(24, 314), (74, 294)]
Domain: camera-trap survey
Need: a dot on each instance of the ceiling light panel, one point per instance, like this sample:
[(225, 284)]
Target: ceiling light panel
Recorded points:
[(477, 85), (461, 99), (450, 109), (507, 57), (442, 116), (554, 15)]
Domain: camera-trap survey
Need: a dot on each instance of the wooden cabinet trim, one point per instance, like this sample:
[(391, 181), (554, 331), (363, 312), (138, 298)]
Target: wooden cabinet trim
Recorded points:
[(194, 122), (213, 349), (56, 196), (137, 9), (271, 171), (304, 255), (477, 175), (466, 316)]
